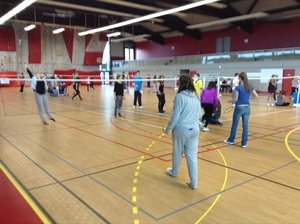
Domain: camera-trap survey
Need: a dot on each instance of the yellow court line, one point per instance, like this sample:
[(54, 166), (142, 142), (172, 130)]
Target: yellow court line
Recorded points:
[(219, 195), (25, 195), (286, 142)]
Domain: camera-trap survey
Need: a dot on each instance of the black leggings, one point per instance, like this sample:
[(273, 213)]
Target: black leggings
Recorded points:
[(208, 111), (161, 102)]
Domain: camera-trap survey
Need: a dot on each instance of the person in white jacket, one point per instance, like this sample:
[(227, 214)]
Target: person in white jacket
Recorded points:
[(39, 86)]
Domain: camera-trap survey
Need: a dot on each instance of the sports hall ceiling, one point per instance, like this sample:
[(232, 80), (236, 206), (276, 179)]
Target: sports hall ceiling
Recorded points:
[(88, 14)]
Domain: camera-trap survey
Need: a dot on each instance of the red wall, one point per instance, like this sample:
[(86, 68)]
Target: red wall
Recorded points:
[(264, 36)]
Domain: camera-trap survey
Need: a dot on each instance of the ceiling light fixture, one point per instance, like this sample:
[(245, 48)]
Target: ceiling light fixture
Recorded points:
[(30, 27), (137, 37), (113, 34), (59, 30), (147, 17), (16, 10), (228, 20)]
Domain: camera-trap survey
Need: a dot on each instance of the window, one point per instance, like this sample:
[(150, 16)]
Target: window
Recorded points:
[(129, 54), (223, 44)]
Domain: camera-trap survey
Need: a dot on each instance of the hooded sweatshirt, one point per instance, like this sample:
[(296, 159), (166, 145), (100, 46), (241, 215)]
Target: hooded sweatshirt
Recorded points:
[(186, 111)]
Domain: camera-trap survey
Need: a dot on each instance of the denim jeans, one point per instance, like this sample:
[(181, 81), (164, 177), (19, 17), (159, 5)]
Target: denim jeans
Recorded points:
[(244, 112)]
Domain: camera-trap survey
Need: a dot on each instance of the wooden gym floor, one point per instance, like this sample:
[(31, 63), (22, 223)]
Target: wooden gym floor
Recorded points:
[(89, 167)]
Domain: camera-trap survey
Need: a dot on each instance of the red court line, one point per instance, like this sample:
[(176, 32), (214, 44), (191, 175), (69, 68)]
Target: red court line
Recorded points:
[(13, 207)]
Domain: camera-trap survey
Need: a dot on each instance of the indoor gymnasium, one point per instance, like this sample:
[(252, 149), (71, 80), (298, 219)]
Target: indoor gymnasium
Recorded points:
[(149, 112)]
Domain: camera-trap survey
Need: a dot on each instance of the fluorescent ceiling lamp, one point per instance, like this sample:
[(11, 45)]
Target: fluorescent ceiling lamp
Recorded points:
[(30, 27), (147, 17), (113, 34), (228, 20), (58, 30), (16, 10), (137, 37)]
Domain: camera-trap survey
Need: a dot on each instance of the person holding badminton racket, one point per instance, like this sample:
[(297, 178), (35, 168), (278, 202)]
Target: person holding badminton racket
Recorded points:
[(242, 109)]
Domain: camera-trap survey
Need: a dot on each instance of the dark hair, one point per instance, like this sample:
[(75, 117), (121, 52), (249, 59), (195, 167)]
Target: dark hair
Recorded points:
[(211, 84), (244, 78), (186, 83)]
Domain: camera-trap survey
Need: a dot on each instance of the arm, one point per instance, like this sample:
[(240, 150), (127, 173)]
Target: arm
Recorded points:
[(254, 93), (177, 108)]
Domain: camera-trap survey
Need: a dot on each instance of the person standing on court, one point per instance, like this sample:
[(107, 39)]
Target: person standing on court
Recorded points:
[(138, 90), (185, 129), (119, 93), (40, 87), (198, 84), (241, 109), (161, 94), (22, 83), (76, 85)]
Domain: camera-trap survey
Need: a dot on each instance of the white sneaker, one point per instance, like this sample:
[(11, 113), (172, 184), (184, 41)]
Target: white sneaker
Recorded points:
[(169, 171), (205, 129), (141, 107), (201, 124), (134, 107), (244, 146), (268, 104), (228, 143)]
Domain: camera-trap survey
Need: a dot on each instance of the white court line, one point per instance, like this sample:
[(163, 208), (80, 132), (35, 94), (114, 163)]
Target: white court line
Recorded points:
[(263, 114)]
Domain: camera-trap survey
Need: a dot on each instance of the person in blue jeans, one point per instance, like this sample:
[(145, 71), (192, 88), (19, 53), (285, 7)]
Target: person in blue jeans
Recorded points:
[(242, 109), (185, 129)]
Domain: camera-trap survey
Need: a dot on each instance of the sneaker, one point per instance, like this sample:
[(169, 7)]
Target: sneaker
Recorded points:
[(190, 186), (45, 122), (120, 115), (244, 146), (205, 129), (268, 104), (169, 171), (52, 119), (134, 107), (201, 124), (228, 142), (141, 107)]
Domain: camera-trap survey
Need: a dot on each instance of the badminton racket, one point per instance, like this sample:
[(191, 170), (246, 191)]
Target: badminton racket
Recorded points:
[(228, 109)]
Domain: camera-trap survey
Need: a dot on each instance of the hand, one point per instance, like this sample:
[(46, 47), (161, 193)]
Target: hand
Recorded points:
[(165, 131)]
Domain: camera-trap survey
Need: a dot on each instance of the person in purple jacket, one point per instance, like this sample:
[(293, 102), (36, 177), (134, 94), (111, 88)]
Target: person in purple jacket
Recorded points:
[(209, 103)]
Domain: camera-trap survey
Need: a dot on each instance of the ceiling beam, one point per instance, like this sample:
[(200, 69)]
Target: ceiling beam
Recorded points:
[(175, 23)]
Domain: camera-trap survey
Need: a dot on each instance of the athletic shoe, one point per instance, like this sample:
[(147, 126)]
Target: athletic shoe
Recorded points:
[(52, 119), (244, 146), (190, 186), (201, 124), (133, 107), (205, 129), (228, 142), (169, 171), (45, 122), (120, 115), (141, 107), (268, 104)]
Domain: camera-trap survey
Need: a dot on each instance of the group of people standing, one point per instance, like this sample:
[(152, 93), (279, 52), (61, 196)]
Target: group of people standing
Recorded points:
[(185, 116)]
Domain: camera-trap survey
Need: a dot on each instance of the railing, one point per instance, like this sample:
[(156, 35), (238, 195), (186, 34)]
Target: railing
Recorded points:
[(244, 56)]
